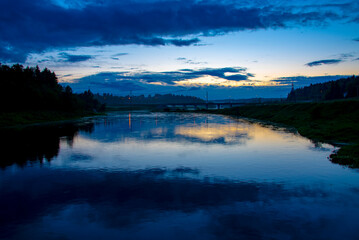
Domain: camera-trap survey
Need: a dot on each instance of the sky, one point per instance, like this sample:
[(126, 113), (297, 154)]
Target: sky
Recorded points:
[(230, 49)]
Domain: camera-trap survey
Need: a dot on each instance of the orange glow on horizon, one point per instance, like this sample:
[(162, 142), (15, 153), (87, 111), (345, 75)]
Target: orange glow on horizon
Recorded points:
[(220, 82)]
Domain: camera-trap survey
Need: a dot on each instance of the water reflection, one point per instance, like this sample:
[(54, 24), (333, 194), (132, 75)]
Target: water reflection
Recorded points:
[(34, 144), (213, 133), (130, 199), (171, 128), (172, 176)]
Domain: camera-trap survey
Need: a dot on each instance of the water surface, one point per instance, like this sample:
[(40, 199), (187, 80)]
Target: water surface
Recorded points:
[(173, 176)]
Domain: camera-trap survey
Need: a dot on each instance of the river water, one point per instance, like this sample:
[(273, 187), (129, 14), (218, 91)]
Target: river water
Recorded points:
[(144, 175)]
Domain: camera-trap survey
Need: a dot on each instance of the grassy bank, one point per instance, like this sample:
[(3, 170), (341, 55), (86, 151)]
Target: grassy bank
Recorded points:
[(335, 122), (13, 119)]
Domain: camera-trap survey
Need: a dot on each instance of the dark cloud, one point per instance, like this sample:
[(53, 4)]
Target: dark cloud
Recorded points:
[(346, 55), (237, 74), (302, 81), (36, 26), (8, 53), (323, 62), (116, 56), (67, 75), (330, 5), (340, 58), (170, 78), (74, 58), (123, 85), (215, 92), (153, 82), (119, 54), (237, 77), (182, 43), (146, 82), (115, 82), (356, 39), (194, 88)]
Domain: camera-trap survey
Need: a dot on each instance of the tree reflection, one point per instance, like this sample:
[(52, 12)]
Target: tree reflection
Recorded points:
[(36, 144)]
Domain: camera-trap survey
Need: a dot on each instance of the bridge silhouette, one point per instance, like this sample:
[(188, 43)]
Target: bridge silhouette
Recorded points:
[(214, 104), (181, 106), (209, 105)]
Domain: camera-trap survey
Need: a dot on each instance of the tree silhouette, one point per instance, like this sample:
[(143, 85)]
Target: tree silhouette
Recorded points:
[(24, 89), (341, 88)]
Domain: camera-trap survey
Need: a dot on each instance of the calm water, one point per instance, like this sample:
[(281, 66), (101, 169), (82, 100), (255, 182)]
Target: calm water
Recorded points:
[(172, 176)]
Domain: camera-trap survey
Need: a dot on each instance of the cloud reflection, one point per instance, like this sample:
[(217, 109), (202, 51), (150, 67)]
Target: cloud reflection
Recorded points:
[(192, 128), (214, 133), (124, 198)]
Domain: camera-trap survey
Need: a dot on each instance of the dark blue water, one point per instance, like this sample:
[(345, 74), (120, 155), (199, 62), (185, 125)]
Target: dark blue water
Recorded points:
[(172, 176)]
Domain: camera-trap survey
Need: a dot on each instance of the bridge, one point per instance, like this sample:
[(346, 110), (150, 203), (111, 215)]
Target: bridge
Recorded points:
[(211, 105), (199, 106)]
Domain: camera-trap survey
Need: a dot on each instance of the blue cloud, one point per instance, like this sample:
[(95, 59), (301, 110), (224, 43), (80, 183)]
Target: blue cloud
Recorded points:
[(120, 83), (67, 75), (346, 55), (9, 53), (119, 54), (302, 81), (169, 78), (74, 58), (323, 62), (36, 26), (238, 73), (189, 61), (181, 42), (142, 81)]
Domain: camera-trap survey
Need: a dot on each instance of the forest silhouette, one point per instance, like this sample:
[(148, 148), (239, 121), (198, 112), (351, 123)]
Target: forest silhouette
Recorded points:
[(28, 89), (338, 89)]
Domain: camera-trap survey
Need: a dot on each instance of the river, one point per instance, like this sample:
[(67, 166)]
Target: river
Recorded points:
[(145, 175)]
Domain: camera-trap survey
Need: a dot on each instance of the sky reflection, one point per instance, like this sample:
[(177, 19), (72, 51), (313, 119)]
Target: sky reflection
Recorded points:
[(131, 203), (218, 146), (152, 175)]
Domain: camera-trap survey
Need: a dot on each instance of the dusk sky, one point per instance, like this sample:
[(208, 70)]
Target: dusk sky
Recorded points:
[(232, 49)]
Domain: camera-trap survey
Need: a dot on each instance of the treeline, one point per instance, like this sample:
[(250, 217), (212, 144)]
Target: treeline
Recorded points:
[(339, 89), (112, 100), (24, 89)]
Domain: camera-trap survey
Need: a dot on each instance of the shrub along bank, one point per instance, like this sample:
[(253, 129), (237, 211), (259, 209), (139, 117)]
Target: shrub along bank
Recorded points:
[(335, 122)]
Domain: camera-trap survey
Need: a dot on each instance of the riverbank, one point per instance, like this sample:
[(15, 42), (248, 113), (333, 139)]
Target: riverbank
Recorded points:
[(334, 122), (25, 118)]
